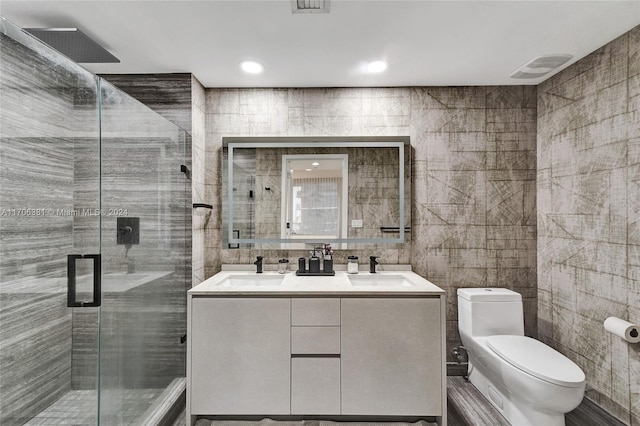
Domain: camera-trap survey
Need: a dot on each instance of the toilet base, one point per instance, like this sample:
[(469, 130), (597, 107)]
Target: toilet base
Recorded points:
[(514, 413)]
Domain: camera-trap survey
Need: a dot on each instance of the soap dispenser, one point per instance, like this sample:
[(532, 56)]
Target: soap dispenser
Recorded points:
[(327, 259), (352, 265), (314, 263)]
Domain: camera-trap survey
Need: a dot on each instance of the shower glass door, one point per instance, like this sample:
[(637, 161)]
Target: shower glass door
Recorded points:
[(49, 211), (94, 245), (145, 193)]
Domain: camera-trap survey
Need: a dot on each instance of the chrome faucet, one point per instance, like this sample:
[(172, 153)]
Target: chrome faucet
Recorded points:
[(258, 264), (372, 264)]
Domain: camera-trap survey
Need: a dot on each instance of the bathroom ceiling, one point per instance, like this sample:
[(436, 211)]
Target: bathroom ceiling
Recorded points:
[(426, 43)]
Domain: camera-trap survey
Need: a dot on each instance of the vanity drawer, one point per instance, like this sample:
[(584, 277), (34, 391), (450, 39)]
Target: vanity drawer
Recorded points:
[(315, 311), (315, 340)]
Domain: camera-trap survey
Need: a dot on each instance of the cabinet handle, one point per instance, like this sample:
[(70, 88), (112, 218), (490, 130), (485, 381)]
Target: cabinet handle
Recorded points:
[(315, 355)]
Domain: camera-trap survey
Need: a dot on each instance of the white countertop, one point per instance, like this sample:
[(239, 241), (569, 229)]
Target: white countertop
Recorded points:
[(338, 285)]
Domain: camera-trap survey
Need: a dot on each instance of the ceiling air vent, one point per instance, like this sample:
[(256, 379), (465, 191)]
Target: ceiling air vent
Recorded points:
[(74, 44), (542, 65), (310, 6)]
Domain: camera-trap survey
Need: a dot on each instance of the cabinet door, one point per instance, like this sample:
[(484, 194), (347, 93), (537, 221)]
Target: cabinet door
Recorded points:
[(391, 357), (315, 386), (240, 356)]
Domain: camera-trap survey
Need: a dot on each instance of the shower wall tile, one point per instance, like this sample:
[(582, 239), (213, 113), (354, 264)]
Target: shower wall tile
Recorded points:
[(167, 94), (180, 98), (36, 347), (587, 215), (156, 193), (32, 92)]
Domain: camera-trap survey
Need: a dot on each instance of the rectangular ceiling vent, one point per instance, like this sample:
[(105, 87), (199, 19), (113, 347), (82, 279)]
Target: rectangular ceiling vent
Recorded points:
[(310, 6), (542, 65), (74, 44)]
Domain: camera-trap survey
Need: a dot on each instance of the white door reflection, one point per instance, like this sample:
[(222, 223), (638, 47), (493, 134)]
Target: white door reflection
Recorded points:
[(314, 202)]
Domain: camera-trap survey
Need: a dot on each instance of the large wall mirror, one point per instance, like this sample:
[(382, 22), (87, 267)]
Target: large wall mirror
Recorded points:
[(290, 193)]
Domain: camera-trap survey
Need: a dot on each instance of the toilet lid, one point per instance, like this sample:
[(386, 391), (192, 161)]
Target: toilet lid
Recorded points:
[(537, 359)]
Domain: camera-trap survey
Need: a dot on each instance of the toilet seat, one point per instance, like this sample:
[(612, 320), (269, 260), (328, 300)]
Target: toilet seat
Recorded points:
[(537, 359)]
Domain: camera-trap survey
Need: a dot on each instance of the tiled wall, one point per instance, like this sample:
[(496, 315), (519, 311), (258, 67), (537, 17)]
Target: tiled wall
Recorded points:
[(200, 216), (589, 218), (473, 214), (167, 94), (474, 184)]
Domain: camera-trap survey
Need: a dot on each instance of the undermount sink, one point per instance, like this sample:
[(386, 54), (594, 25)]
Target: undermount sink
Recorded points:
[(379, 281), (252, 281)]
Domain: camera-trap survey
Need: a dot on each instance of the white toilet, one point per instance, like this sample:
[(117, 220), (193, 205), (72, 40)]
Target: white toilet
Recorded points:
[(530, 383)]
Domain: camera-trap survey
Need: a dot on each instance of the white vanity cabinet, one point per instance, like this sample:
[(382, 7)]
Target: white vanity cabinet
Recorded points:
[(336, 354), (240, 357)]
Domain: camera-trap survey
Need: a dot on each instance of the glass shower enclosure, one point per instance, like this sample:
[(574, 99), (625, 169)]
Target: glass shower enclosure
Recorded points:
[(94, 254)]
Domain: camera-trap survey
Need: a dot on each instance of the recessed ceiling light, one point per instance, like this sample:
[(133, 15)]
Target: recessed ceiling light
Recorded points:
[(251, 67), (377, 66), (315, 164), (307, 170)]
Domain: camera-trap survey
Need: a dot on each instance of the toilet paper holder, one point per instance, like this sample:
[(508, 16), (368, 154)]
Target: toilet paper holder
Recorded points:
[(628, 331)]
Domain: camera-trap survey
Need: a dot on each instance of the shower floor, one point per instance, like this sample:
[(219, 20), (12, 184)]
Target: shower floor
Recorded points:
[(78, 408)]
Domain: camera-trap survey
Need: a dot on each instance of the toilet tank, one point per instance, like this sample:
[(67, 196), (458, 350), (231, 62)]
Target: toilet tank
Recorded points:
[(490, 311)]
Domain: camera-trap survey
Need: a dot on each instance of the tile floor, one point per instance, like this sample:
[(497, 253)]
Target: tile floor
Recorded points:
[(78, 408), (73, 408)]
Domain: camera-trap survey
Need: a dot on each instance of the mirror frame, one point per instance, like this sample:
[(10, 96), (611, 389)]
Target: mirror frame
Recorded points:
[(231, 143)]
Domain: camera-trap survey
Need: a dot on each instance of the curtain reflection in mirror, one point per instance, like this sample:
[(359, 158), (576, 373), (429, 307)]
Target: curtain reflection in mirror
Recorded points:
[(315, 207)]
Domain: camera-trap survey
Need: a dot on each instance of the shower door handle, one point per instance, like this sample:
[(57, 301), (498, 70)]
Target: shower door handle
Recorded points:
[(71, 280)]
